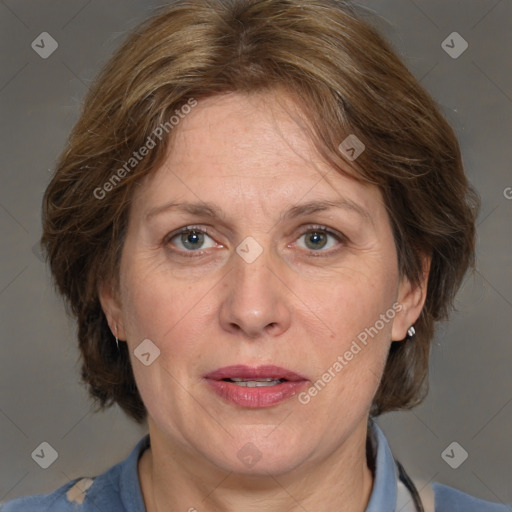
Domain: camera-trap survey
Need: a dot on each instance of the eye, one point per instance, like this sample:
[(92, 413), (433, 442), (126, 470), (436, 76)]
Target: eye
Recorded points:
[(191, 239), (319, 239)]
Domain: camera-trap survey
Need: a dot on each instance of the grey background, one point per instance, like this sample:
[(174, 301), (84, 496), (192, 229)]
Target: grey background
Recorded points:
[(470, 400)]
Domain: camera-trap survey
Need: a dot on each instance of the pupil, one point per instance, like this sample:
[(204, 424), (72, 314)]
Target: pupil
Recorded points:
[(316, 240), (192, 239)]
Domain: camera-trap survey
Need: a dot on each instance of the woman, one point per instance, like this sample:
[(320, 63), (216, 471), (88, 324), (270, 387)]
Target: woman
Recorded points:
[(257, 222)]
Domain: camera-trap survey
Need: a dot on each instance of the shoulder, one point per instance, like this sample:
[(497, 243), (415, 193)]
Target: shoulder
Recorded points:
[(80, 495), (448, 499), (116, 490), (68, 498)]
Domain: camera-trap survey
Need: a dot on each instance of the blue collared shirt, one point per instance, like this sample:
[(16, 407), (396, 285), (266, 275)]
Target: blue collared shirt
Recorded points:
[(118, 490)]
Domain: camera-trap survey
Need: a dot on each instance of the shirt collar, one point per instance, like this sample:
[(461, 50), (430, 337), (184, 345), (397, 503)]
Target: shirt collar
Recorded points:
[(129, 484), (382, 498)]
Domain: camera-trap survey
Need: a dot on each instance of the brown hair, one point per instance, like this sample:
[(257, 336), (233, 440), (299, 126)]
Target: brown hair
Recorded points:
[(346, 80)]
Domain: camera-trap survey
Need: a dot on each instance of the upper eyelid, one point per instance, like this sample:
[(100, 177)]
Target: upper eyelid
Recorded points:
[(320, 227), (185, 229), (205, 230)]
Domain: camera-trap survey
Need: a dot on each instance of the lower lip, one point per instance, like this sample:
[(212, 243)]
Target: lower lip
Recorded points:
[(256, 398)]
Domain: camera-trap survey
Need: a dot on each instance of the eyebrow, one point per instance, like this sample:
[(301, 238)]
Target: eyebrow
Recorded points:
[(205, 209), (323, 205)]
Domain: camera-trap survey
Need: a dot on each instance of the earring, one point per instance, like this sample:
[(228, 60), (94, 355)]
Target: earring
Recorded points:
[(117, 340), (411, 332)]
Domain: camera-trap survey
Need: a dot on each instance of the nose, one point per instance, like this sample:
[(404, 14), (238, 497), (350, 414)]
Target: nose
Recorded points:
[(256, 300)]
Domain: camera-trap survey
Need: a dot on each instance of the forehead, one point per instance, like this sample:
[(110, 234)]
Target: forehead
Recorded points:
[(252, 149)]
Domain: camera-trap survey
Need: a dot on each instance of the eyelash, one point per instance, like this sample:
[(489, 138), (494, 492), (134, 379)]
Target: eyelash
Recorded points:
[(308, 229)]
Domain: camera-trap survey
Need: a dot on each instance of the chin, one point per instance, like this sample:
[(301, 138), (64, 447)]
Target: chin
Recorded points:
[(260, 455)]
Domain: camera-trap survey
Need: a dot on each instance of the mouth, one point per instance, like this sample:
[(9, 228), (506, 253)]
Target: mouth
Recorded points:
[(255, 387), (269, 374), (255, 383)]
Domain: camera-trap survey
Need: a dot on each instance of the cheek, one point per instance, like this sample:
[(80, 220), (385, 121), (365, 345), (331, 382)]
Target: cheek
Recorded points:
[(173, 315), (153, 302), (357, 311), (352, 301)]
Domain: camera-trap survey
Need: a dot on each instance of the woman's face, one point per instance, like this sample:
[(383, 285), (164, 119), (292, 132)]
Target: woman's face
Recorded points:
[(267, 257)]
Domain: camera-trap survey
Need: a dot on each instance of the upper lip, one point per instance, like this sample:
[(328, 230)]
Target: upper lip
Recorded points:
[(241, 371)]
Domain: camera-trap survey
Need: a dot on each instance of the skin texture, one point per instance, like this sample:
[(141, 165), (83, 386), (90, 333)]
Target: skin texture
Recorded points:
[(295, 306)]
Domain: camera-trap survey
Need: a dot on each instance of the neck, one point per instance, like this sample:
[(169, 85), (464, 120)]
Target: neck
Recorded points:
[(173, 479)]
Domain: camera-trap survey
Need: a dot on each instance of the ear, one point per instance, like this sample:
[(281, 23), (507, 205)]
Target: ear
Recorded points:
[(111, 305), (412, 299)]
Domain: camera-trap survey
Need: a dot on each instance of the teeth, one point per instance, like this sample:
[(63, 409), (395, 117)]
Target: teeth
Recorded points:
[(266, 379), (257, 383)]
